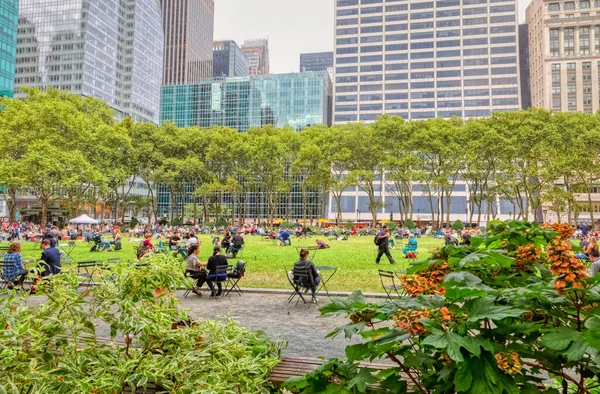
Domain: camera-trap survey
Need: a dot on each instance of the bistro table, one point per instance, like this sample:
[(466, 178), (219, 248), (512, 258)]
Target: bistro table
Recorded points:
[(326, 273), (310, 249), (67, 249)]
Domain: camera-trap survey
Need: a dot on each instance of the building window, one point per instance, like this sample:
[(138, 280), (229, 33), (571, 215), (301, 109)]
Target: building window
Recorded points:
[(569, 41), (556, 103), (584, 40), (584, 4), (554, 7), (555, 66), (571, 89), (569, 5), (572, 101), (555, 89)]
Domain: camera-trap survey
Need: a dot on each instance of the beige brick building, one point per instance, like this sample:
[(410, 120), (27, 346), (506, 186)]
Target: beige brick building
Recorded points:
[(564, 54)]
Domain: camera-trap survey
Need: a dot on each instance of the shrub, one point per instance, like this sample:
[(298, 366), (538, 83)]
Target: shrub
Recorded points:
[(52, 347), (409, 224), (458, 225), (499, 316)]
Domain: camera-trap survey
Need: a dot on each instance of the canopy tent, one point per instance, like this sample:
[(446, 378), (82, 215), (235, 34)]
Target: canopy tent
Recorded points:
[(83, 219)]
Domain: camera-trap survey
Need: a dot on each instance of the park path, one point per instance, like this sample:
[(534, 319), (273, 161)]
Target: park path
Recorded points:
[(301, 326)]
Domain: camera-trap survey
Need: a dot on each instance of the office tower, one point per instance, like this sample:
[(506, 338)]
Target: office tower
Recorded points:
[(564, 54), (524, 66), (318, 61), (258, 56), (9, 10), (297, 100), (425, 59), (110, 49), (188, 29), (229, 60)]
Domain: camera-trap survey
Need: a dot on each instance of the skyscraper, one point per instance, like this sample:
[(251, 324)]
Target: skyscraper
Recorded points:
[(298, 100), (317, 61), (258, 56), (229, 60), (524, 66), (425, 59), (110, 49), (564, 54), (9, 10), (188, 27)]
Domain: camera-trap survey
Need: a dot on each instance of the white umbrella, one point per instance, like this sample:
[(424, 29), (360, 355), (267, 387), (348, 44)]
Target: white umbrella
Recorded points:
[(83, 219)]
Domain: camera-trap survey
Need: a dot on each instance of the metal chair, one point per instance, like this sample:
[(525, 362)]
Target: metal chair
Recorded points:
[(86, 270), (389, 277), (234, 277), (220, 276), (299, 281)]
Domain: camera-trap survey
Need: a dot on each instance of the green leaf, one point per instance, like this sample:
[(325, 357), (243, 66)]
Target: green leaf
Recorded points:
[(577, 350), (482, 308), (462, 378), (453, 343), (359, 351), (454, 293), (560, 338), (362, 379), (488, 379), (501, 259)]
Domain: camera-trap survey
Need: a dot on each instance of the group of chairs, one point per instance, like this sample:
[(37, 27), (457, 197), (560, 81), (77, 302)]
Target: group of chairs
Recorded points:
[(228, 276)]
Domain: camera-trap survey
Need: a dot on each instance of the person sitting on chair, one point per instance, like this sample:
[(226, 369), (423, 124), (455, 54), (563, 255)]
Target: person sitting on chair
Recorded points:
[(50, 256), (14, 273), (214, 261), (237, 243), (284, 237), (195, 268), (226, 242), (314, 276), (412, 246)]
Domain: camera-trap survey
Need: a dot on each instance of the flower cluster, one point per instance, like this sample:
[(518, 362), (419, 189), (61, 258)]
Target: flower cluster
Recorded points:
[(409, 321), (570, 271), (526, 256), (509, 363), (426, 282)]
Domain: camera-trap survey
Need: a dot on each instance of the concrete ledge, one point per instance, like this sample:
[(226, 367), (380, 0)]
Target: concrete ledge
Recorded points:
[(259, 290)]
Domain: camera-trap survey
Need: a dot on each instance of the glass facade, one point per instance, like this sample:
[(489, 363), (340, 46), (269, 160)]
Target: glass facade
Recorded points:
[(297, 100), (110, 49), (8, 45), (319, 61), (229, 60), (415, 59)]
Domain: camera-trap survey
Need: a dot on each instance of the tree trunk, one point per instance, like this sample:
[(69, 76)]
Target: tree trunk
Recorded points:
[(12, 204)]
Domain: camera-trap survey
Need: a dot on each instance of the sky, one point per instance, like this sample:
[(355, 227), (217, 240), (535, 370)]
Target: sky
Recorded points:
[(292, 27)]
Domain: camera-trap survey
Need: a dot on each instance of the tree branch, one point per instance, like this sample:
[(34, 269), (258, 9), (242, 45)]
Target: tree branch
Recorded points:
[(407, 371), (558, 373)]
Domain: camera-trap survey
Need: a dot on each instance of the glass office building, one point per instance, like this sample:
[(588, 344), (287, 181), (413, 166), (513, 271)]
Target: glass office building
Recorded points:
[(425, 59), (229, 60), (8, 45), (110, 49), (298, 100), (317, 61)]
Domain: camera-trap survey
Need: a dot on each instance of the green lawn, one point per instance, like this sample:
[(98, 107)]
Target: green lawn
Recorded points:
[(355, 259)]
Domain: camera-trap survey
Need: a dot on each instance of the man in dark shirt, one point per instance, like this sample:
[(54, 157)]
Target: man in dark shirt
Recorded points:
[(237, 243), (214, 261), (383, 237), (51, 256), (584, 230)]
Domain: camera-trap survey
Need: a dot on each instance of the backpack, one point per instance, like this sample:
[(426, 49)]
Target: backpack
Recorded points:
[(239, 270), (376, 240)]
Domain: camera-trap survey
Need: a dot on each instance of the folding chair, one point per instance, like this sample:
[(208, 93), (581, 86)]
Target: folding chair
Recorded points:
[(86, 270), (300, 281), (220, 277), (390, 277), (216, 240), (239, 270), (3, 281)]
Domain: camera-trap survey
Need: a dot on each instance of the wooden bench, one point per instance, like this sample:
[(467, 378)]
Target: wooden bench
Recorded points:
[(290, 367)]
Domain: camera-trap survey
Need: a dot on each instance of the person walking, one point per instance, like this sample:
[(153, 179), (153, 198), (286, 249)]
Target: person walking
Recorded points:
[(382, 240)]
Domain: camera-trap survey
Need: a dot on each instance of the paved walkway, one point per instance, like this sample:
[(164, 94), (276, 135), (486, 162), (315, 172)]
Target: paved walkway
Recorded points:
[(302, 326)]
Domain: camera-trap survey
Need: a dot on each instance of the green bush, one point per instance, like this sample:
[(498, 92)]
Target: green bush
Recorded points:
[(177, 222), (52, 347), (409, 224), (458, 225), (133, 222), (349, 225), (507, 314)]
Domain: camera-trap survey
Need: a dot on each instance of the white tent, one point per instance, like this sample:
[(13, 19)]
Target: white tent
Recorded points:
[(83, 219)]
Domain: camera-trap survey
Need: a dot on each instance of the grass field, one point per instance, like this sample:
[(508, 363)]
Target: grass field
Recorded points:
[(266, 262)]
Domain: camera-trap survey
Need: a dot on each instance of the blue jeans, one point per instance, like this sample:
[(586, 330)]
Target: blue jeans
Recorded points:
[(104, 245), (313, 288)]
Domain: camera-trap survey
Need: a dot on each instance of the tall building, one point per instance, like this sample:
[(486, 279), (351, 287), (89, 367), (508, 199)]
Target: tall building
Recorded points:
[(318, 61), (258, 56), (110, 49), (229, 60), (524, 66), (9, 16), (188, 51), (564, 54), (297, 100), (425, 59)]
